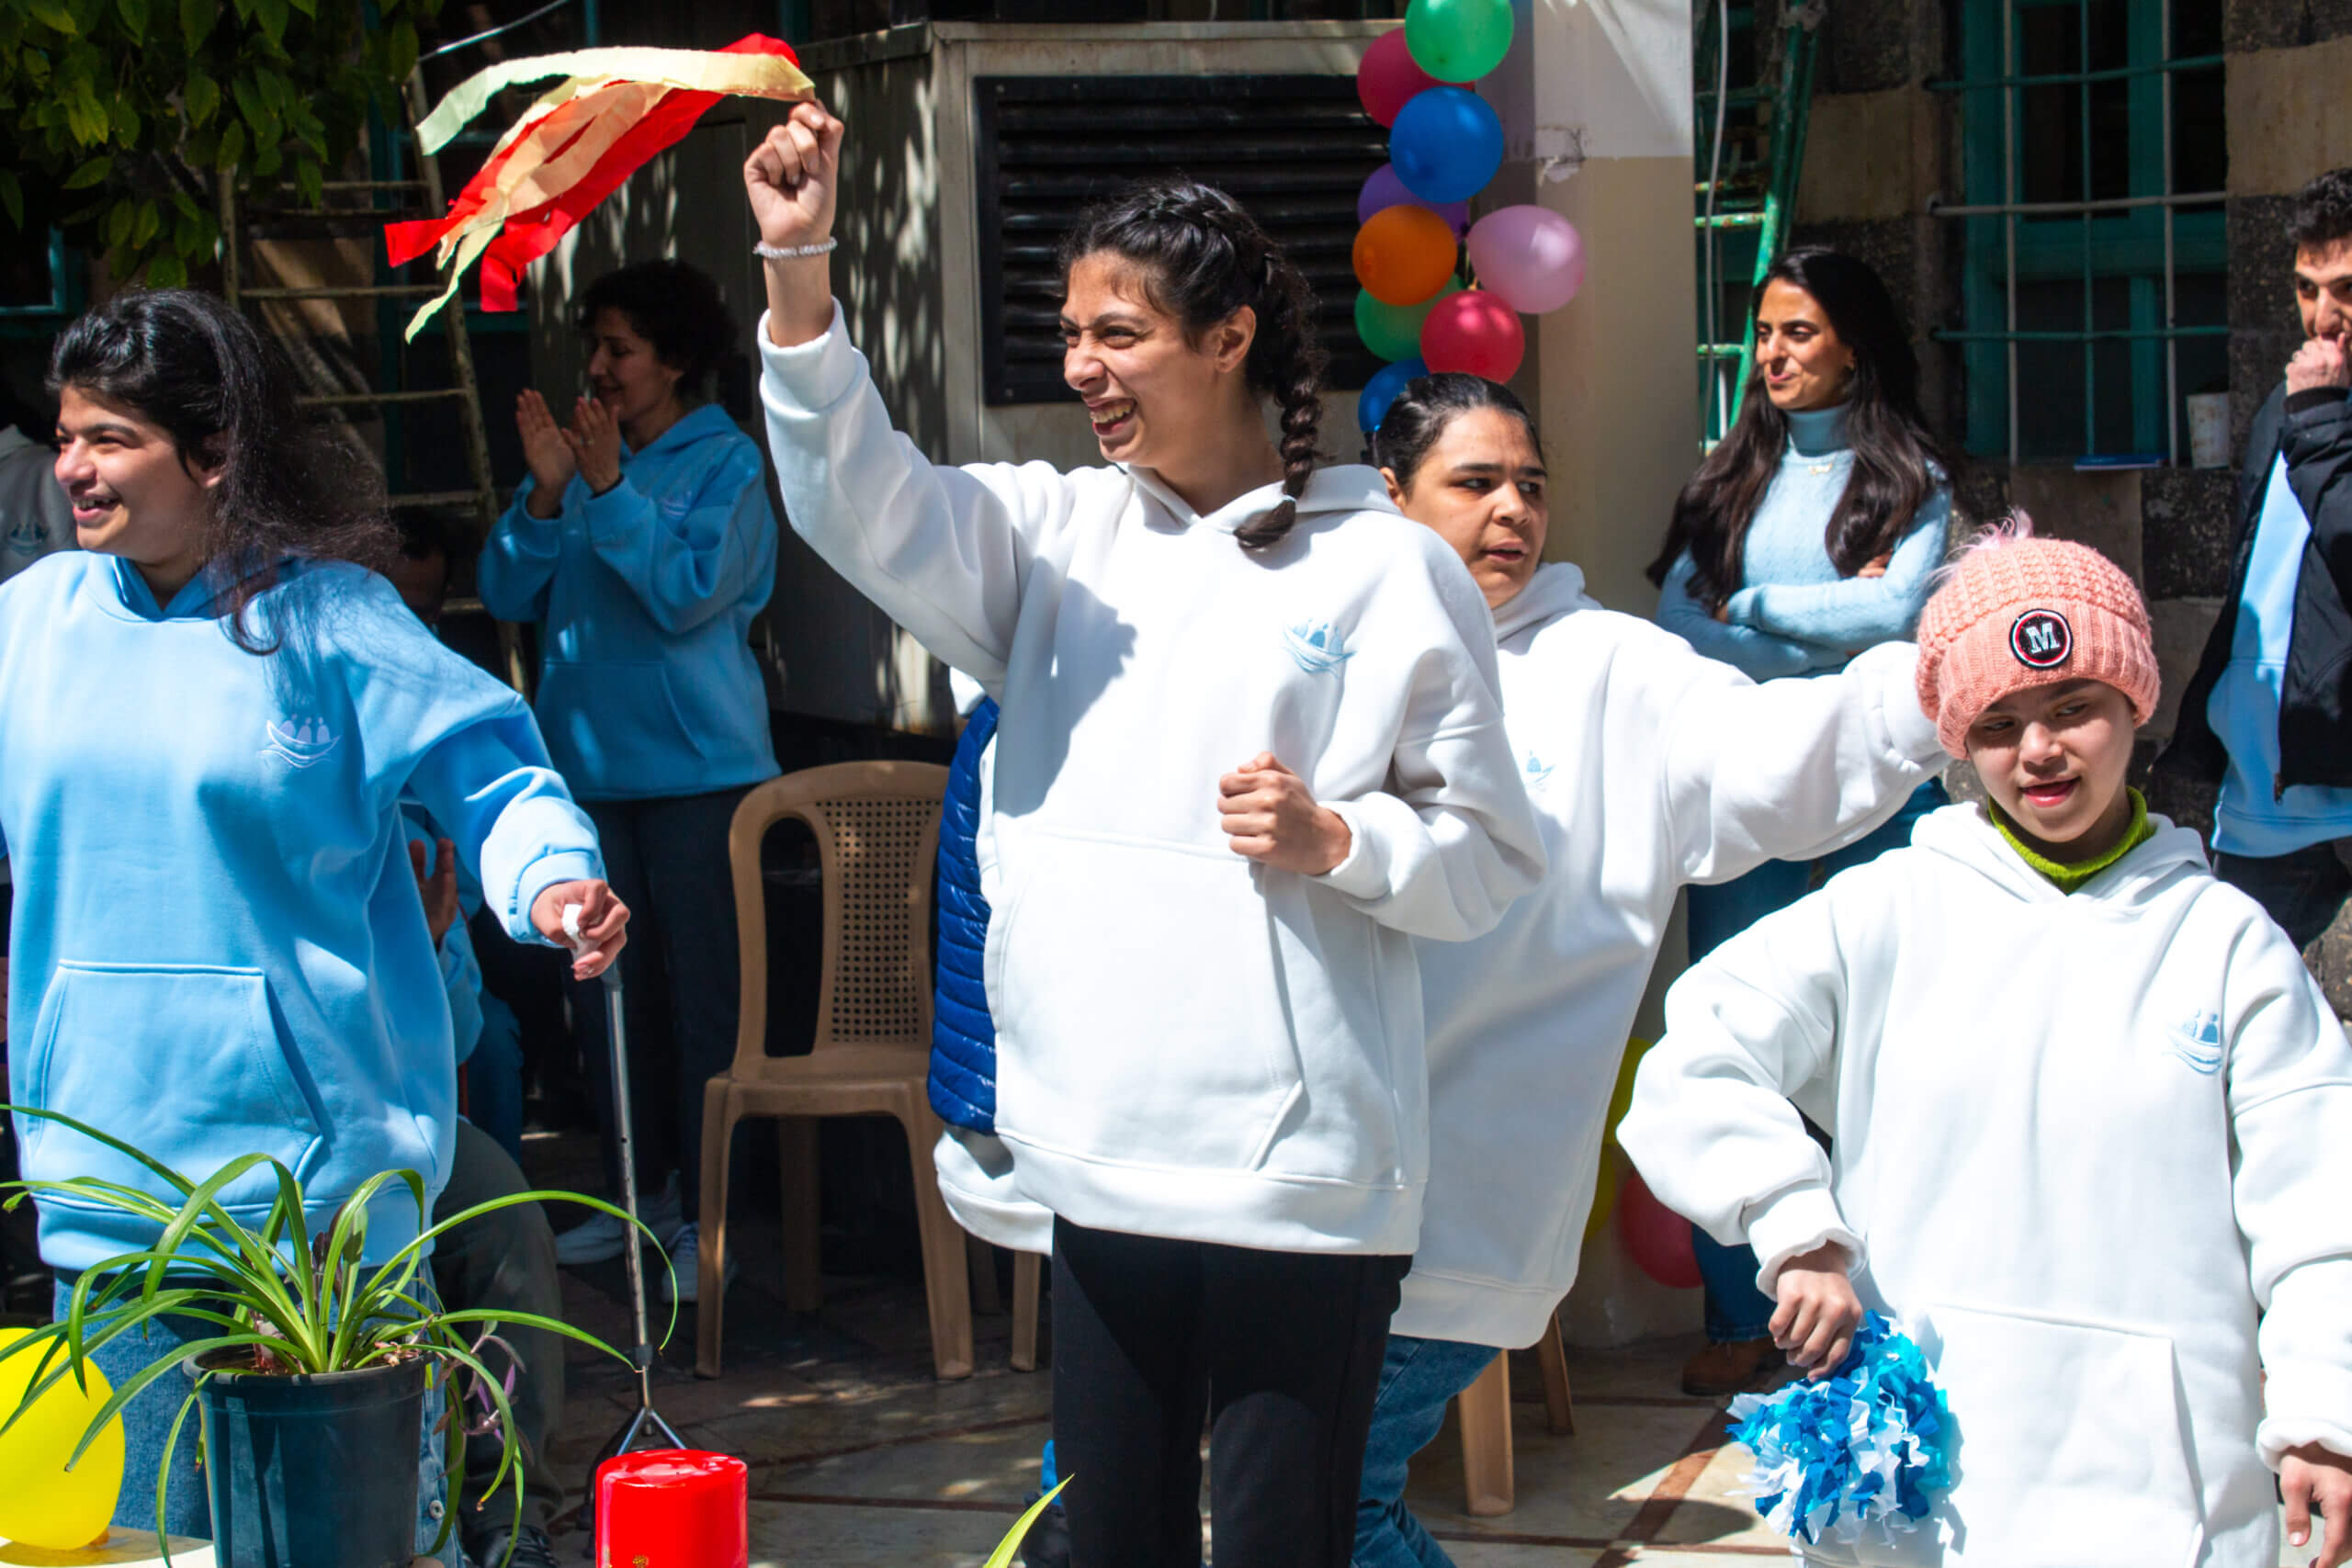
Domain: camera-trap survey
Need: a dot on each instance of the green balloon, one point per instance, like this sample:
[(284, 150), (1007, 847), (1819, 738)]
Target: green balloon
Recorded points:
[(1394, 331), (1458, 40)]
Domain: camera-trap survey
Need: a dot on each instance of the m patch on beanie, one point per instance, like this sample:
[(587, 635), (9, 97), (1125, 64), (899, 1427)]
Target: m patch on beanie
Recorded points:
[(2042, 639)]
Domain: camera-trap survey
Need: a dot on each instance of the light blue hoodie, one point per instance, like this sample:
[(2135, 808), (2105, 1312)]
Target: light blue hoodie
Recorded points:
[(646, 684), (218, 947)]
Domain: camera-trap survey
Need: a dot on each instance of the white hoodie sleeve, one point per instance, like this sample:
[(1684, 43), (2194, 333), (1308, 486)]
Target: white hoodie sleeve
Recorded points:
[(2291, 1105), (1789, 769), (944, 552), (1712, 1130), (1445, 849)]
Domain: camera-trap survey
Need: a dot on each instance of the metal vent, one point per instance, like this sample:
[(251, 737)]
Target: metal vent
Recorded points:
[(1293, 150)]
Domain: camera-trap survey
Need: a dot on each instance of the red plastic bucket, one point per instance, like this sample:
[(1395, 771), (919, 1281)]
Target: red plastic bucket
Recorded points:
[(673, 1509)]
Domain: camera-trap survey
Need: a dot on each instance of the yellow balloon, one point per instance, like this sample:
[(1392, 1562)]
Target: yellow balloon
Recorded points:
[(1604, 1195), (41, 1502), (1621, 1099)]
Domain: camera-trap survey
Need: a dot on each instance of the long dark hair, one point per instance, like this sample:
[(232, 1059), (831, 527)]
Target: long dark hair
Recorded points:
[(1205, 258), (198, 369), (1419, 416), (1896, 457)]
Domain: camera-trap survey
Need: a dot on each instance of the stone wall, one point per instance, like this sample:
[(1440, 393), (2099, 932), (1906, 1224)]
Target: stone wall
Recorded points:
[(1881, 146)]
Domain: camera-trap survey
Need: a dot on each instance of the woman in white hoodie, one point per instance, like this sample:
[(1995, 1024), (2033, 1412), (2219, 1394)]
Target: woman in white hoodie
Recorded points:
[(1650, 767), (1250, 749), (2090, 1121)]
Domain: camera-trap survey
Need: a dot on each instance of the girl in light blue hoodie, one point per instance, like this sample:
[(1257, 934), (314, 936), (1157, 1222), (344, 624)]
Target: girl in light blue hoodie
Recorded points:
[(644, 542), (208, 717)]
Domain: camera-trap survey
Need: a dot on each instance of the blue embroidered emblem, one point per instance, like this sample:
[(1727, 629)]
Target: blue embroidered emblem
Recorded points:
[(2196, 1042), (1537, 770), (1315, 647), (300, 742), (28, 537)]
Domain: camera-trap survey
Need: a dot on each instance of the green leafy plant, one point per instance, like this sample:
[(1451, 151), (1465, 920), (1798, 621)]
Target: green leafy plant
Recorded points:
[(297, 1303), (116, 115)]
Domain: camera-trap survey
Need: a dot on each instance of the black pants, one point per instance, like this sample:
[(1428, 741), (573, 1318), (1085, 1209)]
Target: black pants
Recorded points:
[(667, 860), (1280, 1351), (2301, 890)]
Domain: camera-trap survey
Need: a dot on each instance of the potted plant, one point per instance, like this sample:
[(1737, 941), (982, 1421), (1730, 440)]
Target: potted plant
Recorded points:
[(312, 1394)]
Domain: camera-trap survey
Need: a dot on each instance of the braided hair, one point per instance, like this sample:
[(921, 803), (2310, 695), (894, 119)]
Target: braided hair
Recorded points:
[(1204, 258)]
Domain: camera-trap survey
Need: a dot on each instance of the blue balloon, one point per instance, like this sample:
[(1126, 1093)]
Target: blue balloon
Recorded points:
[(1372, 407), (1446, 144)]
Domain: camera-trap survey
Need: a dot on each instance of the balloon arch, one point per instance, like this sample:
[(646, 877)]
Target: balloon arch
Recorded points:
[(1416, 309)]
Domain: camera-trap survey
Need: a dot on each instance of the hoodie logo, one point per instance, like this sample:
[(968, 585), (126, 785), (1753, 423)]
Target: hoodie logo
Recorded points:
[(1537, 770), (1315, 647), (300, 742), (2042, 639), (28, 537), (2198, 1043)]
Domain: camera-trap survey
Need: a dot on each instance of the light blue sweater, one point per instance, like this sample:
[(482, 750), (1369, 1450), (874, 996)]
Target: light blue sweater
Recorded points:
[(218, 947), (1794, 614), (647, 684)]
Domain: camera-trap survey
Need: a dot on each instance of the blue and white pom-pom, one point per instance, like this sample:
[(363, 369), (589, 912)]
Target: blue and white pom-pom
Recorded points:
[(1869, 1447)]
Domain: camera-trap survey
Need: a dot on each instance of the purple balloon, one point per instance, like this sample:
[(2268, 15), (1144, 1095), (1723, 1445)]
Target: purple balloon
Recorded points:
[(1384, 190), (1530, 256)]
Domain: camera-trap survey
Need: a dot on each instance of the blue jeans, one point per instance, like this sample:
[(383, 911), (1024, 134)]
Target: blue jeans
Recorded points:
[(147, 1423), (1736, 1310), (1417, 1380), (494, 1078)]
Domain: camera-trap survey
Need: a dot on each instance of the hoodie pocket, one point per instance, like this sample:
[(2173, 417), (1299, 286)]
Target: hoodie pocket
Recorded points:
[(1136, 988), (611, 715), (188, 1064), (2071, 1448)]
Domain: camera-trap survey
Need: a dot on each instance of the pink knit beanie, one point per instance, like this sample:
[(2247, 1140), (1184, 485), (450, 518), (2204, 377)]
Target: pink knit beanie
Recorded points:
[(2016, 612)]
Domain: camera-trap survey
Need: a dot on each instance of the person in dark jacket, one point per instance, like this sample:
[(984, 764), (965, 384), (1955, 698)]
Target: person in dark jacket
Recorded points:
[(2269, 711)]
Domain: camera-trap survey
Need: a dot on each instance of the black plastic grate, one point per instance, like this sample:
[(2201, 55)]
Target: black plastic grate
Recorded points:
[(1293, 150)]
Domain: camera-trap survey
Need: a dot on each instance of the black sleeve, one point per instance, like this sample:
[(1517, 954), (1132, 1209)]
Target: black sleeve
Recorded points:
[(2317, 443)]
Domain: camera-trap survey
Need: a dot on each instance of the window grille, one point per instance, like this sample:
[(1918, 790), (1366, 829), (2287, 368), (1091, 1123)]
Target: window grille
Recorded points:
[(1293, 150), (2093, 296)]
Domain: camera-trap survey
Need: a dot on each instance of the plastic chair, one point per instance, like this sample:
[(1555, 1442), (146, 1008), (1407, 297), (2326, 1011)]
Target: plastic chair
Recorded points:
[(877, 825), (1489, 1484), (988, 1300)]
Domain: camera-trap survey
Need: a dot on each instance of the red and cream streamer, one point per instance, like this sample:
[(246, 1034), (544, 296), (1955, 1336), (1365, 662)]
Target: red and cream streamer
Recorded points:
[(613, 111)]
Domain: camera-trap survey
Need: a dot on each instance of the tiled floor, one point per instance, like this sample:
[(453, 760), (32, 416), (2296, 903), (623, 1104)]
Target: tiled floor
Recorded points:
[(861, 1460)]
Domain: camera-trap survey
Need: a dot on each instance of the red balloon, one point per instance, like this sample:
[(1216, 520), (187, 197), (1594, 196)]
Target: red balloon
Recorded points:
[(1387, 78), (1475, 330), (1659, 1238)]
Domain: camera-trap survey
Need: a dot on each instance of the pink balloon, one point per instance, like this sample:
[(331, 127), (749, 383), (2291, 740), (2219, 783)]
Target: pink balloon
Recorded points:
[(1476, 330), (1530, 256), (1388, 77), (1383, 190), (1657, 1238)]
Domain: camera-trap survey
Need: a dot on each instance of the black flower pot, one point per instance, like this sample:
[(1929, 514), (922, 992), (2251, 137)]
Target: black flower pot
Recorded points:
[(312, 1471)]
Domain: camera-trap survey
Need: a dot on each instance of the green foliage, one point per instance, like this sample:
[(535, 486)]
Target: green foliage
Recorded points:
[(293, 1300), (116, 115)]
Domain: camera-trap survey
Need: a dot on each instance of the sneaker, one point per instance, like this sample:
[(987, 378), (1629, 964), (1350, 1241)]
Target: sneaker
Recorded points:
[(1732, 1367), (599, 1236), (1047, 1542), (532, 1549), (685, 1283)]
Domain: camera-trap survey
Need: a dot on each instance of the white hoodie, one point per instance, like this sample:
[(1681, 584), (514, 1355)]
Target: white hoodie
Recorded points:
[(2082, 1145), (1189, 1045), (1650, 765)]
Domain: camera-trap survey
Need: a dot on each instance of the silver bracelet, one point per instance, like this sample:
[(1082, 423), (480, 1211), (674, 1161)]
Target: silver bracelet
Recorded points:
[(793, 253)]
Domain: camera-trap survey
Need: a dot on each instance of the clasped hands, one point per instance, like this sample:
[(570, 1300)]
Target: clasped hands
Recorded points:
[(590, 446)]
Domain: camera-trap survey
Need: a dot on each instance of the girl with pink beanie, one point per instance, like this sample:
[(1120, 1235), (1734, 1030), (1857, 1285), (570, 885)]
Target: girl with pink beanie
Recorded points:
[(2092, 1119)]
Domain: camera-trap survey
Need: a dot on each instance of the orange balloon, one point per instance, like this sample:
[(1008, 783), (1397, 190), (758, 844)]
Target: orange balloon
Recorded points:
[(1404, 254)]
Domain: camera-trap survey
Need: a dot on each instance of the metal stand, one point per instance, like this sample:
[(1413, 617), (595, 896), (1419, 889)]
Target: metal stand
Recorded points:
[(641, 1355)]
